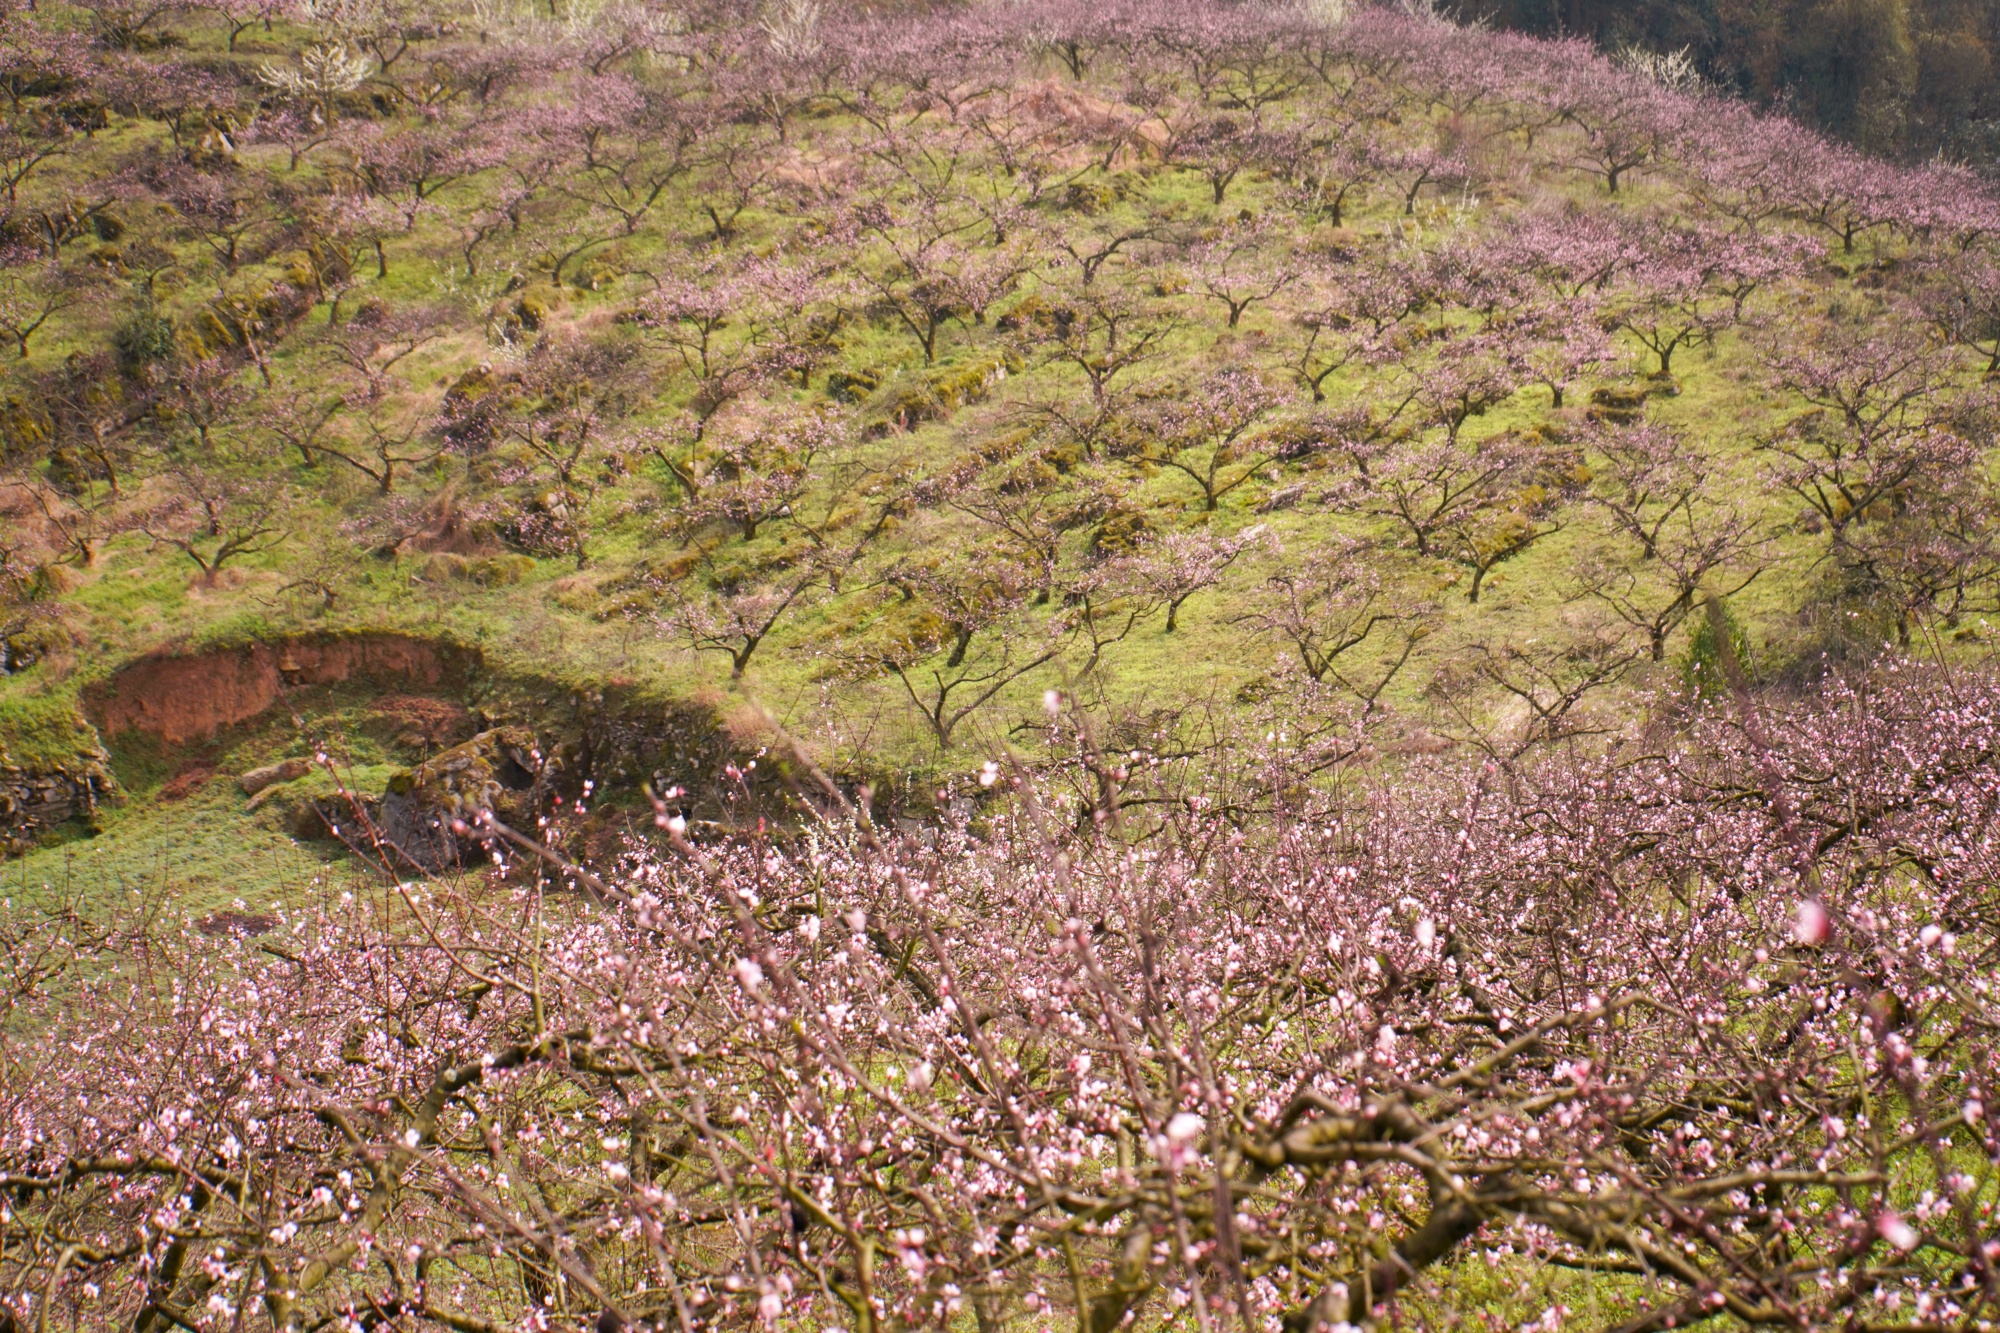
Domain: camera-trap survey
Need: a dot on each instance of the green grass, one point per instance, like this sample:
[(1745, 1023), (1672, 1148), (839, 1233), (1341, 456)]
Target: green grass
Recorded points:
[(43, 731), (201, 853), (599, 626)]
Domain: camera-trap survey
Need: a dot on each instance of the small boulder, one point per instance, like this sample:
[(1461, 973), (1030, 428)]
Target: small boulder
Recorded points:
[(1619, 405), (852, 386), (289, 770), (1120, 532), (537, 304)]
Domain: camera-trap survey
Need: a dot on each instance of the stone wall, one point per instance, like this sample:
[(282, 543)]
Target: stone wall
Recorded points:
[(35, 800)]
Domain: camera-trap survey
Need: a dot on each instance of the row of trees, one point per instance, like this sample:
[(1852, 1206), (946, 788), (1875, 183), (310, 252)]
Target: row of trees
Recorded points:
[(1704, 1031), (662, 113), (1142, 264)]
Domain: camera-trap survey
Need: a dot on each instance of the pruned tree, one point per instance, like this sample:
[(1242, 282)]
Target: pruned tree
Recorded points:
[(1695, 282), (928, 271), (1875, 427), (1546, 688), (34, 291), (213, 520), (1961, 294), (956, 637), (380, 443), (1103, 335), (1328, 607), (1698, 552), (757, 469), (377, 338), (1556, 344), (1242, 265), (225, 213), (731, 327), (1169, 569), (1210, 436), (736, 620), (565, 406)]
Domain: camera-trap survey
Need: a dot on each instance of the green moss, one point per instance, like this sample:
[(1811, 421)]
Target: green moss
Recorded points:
[(852, 386), (1703, 668), (24, 428), (941, 391), (1118, 532), (240, 630), (536, 305), (44, 731), (493, 571)]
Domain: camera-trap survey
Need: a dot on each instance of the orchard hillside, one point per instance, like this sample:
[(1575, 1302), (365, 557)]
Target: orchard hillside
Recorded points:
[(699, 665)]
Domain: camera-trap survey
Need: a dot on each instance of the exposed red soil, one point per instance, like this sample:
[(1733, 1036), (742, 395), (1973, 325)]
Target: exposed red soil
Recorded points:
[(424, 724), (186, 779), (177, 699)]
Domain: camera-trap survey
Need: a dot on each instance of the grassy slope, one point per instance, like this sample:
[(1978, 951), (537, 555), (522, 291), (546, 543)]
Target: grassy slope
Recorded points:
[(139, 596)]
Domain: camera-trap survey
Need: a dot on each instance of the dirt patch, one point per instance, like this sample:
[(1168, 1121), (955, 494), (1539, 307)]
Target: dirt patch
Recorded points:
[(187, 779), (240, 924), (446, 528), (424, 725), (177, 699), (425, 697), (1055, 104)]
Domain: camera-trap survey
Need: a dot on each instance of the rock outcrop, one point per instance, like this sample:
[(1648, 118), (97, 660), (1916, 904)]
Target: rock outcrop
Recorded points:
[(34, 800), (502, 772)]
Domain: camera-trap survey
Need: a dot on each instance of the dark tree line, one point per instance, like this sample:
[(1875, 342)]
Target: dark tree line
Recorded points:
[(1909, 76)]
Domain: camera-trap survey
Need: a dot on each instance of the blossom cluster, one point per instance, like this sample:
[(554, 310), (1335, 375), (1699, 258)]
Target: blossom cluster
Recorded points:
[(1712, 1017)]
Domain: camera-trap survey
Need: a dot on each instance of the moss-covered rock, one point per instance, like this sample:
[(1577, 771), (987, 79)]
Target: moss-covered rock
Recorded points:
[(968, 382), (1093, 197), (31, 641), (852, 386), (53, 769), (1619, 404), (1119, 532), (1336, 242), (536, 305), (475, 385), (428, 812), (1032, 312), (1623, 404), (938, 393), (490, 571), (262, 779), (1028, 476), (596, 275), (24, 428)]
